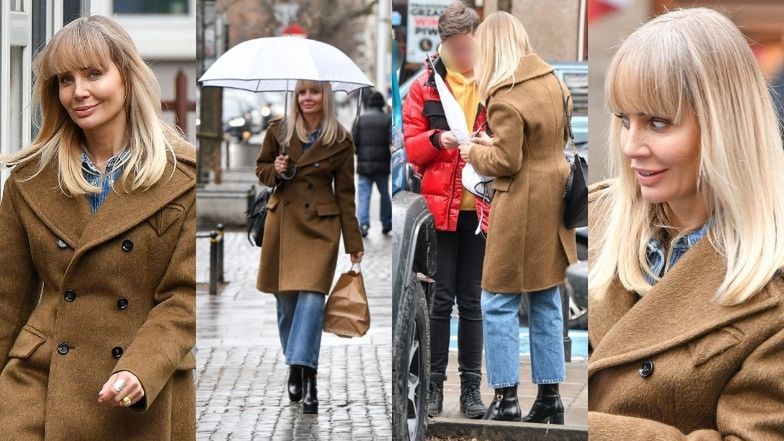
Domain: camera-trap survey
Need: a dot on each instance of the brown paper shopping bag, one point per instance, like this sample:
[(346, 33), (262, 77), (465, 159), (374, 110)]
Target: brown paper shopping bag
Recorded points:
[(347, 313)]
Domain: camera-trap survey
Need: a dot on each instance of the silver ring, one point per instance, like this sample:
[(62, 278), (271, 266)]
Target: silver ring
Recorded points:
[(118, 386)]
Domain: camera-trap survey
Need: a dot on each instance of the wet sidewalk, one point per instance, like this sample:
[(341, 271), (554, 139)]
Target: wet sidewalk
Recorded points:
[(241, 373)]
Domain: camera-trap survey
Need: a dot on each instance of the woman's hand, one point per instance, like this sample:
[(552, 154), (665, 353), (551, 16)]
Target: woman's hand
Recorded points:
[(465, 149), (128, 385), (281, 164), (357, 257), (481, 138)]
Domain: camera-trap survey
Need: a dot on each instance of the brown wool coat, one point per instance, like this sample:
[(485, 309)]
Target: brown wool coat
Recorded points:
[(305, 216), (131, 269), (528, 246), (718, 371)]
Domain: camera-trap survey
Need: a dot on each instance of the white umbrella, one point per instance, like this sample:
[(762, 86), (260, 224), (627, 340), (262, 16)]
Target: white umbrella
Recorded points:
[(270, 64)]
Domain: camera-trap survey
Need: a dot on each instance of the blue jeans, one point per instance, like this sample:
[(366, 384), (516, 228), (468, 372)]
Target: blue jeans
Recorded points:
[(364, 190), (502, 337), (300, 322)]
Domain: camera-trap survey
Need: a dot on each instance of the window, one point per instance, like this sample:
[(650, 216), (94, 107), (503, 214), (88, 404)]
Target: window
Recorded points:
[(177, 7)]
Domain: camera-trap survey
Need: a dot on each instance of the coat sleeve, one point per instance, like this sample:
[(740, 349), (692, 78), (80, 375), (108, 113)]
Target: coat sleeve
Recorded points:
[(169, 333), (505, 156), (265, 162), (420, 151), (344, 195), (749, 409), (20, 285)]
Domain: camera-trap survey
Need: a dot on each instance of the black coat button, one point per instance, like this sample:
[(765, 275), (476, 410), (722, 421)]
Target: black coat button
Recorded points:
[(307, 204), (310, 186), (61, 244), (70, 295), (646, 369), (63, 348), (117, 352), (122, 303), (127, 246)]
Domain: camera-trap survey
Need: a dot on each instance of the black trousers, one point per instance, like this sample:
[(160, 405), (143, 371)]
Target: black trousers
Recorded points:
[(458, 278)]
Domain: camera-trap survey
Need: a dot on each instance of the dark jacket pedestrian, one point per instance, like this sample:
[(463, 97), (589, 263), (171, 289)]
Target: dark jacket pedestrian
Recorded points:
[(372, 137)]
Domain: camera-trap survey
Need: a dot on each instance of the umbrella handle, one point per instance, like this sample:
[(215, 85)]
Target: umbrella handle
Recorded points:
[(290, 176)]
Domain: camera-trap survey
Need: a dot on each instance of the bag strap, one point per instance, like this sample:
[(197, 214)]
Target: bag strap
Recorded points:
[(568, 134)]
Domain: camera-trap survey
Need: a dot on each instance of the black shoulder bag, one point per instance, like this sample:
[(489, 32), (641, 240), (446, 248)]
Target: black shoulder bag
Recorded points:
[(575, 194), (257, 213)]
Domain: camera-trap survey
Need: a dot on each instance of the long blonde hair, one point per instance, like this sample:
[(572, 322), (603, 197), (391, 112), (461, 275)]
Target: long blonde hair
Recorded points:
[(501, 42), (331, 130), (96, 41), (696, 60)]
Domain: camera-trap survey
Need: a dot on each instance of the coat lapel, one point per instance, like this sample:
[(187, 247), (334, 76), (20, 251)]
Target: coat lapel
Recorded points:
[(679, 308), (65, 215), (295, 150)]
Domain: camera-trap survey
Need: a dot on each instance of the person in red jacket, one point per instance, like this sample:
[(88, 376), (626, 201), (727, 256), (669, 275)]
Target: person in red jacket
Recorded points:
[(433, 150)]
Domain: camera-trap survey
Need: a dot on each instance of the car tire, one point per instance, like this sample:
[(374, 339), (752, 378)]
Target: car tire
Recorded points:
[(411, 364)]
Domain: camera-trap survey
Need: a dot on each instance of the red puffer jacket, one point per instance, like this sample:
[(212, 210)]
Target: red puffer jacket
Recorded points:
[(441, 169)]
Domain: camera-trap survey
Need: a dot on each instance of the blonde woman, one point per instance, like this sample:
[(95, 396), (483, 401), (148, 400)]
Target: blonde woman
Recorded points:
[(97, 284), (528, 246), (687, 246), (305, 218)]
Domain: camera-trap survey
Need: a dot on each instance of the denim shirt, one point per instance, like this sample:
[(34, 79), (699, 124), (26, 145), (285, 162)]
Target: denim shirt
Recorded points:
[(104, 181), (312, 137), (656, 254)]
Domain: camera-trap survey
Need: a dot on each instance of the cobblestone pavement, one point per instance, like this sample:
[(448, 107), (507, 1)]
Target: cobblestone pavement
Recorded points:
[(241, 374)]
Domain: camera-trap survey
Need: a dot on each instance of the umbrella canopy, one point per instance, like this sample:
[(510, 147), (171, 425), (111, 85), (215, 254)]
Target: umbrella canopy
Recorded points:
[(275, 63)]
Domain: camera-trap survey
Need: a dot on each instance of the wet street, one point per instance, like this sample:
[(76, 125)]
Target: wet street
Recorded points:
[(241, 372)]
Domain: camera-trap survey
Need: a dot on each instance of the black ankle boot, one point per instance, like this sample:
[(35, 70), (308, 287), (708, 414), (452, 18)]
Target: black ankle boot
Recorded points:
[(548, 407), (310, 391), (435, 396), (295, 382), (470, 398), (505, 406)]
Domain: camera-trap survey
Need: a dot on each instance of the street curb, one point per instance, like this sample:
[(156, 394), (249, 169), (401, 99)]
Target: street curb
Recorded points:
[(503, 430)]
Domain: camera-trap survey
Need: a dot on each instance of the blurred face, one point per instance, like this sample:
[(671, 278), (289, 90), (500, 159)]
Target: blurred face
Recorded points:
[(94, 97), (310, 99), (663, 156), (460, 52)]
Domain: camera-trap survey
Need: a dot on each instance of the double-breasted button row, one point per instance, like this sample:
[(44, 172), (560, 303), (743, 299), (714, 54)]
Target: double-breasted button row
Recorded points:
[(63, 348), (70, 296), (646, 368)]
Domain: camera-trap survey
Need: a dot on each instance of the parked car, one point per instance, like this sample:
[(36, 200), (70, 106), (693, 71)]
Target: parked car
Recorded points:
[(241, 115), (414, 264)]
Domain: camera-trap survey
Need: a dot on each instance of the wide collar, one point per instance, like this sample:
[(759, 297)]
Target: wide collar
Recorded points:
[(315, 153), (530, 66), (69, 217), (679, 308)]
